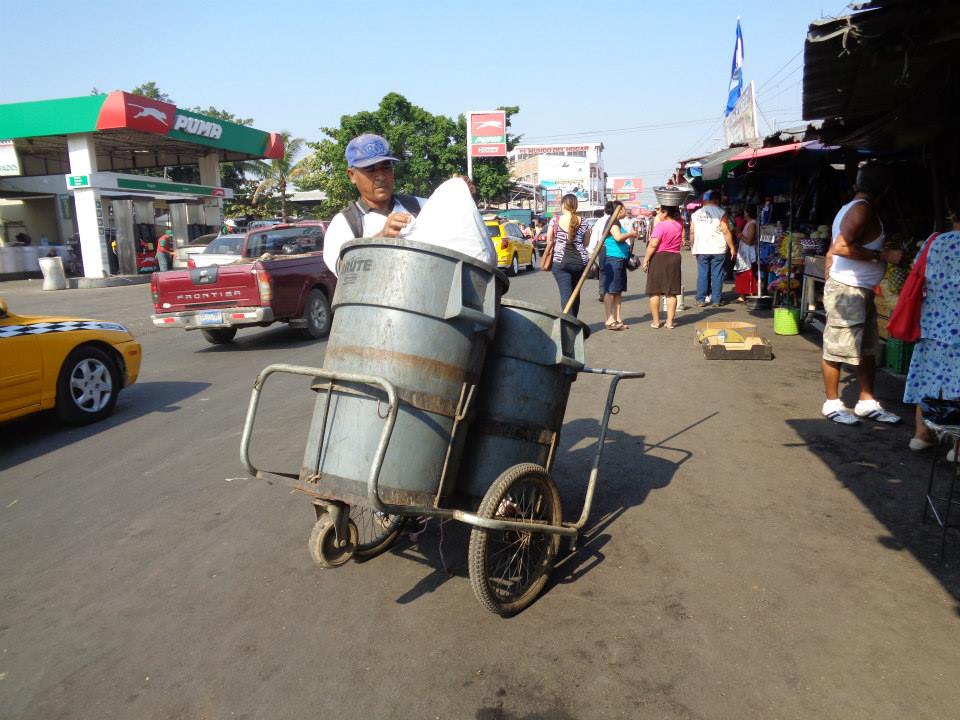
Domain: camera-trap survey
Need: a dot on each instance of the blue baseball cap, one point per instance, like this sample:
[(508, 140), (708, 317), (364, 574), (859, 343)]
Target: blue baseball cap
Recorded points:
[(366, 150), (711, 195)]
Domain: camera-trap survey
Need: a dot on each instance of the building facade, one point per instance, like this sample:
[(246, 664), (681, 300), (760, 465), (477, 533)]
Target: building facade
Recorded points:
[(561, 169)]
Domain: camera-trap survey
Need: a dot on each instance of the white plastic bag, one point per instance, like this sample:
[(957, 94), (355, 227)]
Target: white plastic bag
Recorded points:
[(450, 219)]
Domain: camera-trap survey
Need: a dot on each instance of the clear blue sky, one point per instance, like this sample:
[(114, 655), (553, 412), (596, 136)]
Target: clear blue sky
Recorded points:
[(574, 68)]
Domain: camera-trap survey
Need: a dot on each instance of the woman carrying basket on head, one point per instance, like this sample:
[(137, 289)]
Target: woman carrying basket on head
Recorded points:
[(662, 264)]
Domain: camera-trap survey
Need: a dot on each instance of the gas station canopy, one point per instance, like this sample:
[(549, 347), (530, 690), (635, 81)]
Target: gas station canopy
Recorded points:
[(131, 132)]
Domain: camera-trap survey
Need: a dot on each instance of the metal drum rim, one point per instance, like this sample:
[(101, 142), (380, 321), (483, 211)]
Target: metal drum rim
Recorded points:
[(522, 305)]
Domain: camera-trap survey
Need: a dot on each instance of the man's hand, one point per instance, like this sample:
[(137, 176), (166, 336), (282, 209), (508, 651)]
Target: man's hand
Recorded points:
[(894, 257), (395, 223)]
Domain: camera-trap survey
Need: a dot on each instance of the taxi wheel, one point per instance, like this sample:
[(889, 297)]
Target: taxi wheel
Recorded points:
[(514, 266), (88, 386)]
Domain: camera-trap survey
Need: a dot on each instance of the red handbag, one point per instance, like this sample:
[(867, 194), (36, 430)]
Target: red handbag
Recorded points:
[(905, 321)]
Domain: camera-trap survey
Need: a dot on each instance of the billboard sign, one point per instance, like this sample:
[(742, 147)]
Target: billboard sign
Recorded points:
[(487, 133), (740, 126)]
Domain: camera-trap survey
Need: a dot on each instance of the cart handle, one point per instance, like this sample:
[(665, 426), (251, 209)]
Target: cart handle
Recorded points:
[(333, 377), (618, 375)]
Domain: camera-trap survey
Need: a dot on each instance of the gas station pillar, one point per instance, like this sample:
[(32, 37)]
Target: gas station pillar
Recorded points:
[(93, 245), (210, 175)]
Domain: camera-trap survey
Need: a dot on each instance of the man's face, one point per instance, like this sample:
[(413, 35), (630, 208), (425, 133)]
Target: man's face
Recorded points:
[(375, 183)]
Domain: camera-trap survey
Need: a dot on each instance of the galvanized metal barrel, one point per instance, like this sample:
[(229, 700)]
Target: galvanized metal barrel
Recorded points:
[(535, 356), (421, 317)]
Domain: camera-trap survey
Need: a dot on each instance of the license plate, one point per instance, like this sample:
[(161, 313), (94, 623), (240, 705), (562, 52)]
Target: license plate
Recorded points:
[(210, 317)]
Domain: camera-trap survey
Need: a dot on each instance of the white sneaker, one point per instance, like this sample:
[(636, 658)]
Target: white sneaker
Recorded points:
[(871, 409), (835, 410)]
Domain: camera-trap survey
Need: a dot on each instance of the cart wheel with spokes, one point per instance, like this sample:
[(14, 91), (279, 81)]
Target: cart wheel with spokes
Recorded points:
[(508, 568), (376, 531), (324, 548)]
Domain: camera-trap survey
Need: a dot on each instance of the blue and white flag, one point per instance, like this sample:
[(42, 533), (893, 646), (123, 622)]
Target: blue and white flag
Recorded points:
[(736, 72)]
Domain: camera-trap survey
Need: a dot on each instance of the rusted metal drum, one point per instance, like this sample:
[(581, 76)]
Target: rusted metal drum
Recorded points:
[(535, 356), (421, 317)]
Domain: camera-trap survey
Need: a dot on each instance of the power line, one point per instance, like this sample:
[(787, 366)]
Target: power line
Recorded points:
[(614, 131), (765, 82)]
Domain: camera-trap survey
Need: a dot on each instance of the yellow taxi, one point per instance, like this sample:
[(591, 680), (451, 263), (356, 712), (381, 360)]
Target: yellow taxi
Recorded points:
[(513, 249), (77, 367)]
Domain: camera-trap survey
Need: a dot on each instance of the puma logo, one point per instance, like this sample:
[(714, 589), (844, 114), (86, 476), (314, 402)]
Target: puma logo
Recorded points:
[(149, 112)]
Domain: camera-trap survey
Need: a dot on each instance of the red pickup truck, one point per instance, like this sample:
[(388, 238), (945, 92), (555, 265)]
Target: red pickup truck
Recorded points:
[(284, 279)]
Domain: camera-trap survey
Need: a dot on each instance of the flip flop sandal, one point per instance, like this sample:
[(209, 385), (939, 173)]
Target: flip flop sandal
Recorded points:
[(656, 326), (612, 326), (842, 418), (882, 416), (671, 327), (623, 326)]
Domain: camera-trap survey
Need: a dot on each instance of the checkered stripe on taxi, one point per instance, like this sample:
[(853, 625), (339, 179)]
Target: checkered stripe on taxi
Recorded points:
[(43, 328)]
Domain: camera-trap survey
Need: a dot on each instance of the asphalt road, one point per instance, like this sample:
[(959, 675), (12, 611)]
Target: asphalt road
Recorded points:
[(746, 559)]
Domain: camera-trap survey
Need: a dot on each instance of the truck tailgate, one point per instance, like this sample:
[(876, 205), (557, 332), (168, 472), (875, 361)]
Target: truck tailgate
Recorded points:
[(214, 286)]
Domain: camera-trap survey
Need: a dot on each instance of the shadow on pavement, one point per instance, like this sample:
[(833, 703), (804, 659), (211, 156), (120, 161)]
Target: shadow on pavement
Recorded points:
[(628, 474), (279, 338), (38, 434), (873, 463)]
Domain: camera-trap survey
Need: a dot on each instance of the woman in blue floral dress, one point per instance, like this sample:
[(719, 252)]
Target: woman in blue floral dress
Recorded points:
[(935, 366)]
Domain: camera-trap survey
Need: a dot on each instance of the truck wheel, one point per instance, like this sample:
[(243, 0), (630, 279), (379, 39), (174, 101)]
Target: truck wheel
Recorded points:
[(87, 387), (317, 315), (219, 337)]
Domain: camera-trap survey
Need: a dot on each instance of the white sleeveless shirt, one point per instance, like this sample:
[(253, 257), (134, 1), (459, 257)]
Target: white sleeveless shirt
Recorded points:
[(857, 273)]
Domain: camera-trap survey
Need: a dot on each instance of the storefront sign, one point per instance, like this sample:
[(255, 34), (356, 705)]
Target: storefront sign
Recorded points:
[(125, 111), (487, 133), (196, 126), (9, 162), (141, 183)]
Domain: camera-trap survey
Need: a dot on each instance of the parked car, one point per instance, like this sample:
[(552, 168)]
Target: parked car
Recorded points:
[(287, 281), (277, 239), (194, 247), (513, 249), (76, 367)]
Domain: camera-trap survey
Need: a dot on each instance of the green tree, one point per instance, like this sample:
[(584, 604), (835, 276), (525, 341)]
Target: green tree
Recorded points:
[(431, 148), (275, 175), (150, 90)]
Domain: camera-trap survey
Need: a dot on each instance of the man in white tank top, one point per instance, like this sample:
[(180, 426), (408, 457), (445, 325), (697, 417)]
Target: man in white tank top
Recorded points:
[(856, 264)]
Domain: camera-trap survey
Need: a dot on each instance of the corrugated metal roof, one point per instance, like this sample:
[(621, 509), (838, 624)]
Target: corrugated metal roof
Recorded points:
[(869, 62)]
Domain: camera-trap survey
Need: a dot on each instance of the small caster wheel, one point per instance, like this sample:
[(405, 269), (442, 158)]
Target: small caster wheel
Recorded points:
[(324, 548)]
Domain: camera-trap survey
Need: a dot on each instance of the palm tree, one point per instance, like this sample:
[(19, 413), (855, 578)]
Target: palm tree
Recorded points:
[(275, 174)]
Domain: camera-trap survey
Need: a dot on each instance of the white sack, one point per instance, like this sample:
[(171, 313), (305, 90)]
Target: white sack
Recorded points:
[(450, 219)]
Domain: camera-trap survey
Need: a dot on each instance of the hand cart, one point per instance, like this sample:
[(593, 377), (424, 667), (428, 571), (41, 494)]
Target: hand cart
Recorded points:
[(516, 529)]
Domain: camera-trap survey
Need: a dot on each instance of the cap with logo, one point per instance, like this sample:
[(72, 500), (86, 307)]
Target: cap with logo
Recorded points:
[(366, 150)]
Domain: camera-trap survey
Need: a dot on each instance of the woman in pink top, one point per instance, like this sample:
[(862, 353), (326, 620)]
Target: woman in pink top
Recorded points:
[(662, 264)]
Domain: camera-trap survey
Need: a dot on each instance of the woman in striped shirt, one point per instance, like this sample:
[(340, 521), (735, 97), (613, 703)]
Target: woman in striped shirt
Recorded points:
[(565, 239)]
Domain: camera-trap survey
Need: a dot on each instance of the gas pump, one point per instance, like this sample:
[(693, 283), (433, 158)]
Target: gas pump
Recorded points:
[(124, 234)]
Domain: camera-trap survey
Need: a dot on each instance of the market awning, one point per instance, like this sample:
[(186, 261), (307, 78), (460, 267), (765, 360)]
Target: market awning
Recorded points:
[(713, 169), (748, 154)]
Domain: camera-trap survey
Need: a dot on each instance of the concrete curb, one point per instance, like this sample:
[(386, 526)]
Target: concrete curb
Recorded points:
[(85, 283)]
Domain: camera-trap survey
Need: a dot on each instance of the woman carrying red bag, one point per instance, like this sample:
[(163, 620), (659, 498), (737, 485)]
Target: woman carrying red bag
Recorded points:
[(935, 365)]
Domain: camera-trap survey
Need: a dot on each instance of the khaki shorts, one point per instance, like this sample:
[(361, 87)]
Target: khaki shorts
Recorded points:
[(851, 328)]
